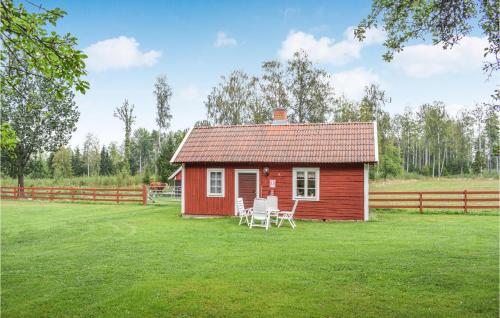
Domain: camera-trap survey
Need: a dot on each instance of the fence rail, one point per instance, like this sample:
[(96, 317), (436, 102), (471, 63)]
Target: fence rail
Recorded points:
[(422, 199), (76, 194)]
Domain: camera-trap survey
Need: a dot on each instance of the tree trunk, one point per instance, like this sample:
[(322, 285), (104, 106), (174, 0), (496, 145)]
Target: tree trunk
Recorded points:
[(20, 181)]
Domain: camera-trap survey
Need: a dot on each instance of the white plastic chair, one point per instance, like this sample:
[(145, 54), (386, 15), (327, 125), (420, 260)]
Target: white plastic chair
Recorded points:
[(288, 215), (260, 217), (242, 212), (272, 206)]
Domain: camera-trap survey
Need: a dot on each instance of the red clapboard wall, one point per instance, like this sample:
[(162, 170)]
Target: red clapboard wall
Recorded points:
[(341, 190)]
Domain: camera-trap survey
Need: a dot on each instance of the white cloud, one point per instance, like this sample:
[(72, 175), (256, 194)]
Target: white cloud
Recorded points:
[(118, 53), (191, 94), (224, 40), (352, 83), (326, 50), (424, 60)]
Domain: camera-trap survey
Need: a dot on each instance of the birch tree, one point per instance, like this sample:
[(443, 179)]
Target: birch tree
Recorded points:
[(126, 114)]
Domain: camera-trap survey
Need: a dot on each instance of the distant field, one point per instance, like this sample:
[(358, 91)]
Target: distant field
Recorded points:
[(93, 181), (435, 184), (108, 260)]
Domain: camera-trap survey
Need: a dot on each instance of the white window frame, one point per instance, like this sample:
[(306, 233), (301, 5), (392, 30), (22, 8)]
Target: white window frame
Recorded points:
[(294, 184), (210, 194)]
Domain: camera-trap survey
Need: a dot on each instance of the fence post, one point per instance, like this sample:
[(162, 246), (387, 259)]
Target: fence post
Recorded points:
[(420, 199), (144, 194), (32, 193), (118, 196), (93, 195), (465, 201), (15, 192)]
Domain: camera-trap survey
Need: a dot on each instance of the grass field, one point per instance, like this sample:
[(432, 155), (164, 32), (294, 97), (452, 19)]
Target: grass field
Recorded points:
[(86, 260), (435, 184)]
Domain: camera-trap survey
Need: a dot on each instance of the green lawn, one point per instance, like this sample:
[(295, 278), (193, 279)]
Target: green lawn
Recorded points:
[(436, 184), (86, 260)]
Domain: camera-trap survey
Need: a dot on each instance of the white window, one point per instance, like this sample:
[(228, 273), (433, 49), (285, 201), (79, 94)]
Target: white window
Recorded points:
[(306, 184), (215, 182)]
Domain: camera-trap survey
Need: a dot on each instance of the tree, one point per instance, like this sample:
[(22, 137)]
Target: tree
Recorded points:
[(309, 90), (106, 165), (116, 157), (390, 161), (446, 21), (169, 146), (228, 103), (61, 164), (37, 167), (479, 162), (372, 103), (41, 121), (273, 87), (8, 138), (345, 110), (163, 94), (142, 149), (492, 130), (77, 163), (126, 114), (91, 154), (31, 46)]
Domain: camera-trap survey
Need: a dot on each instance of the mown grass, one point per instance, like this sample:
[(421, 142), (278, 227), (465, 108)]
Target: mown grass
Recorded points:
[(88, 260)]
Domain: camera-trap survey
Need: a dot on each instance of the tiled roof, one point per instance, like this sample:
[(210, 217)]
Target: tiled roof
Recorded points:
[(291, 143)]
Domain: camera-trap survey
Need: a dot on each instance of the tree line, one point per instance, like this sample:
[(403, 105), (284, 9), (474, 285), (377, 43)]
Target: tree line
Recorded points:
[(427, 141)]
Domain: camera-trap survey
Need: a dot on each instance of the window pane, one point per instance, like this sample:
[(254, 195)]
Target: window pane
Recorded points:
[(300, 192), (300, 175), (311, 192), (300, 183), (311, 184), (215, 182)]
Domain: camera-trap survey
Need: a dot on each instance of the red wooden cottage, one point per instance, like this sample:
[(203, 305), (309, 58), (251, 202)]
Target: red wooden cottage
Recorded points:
[(325, 166)]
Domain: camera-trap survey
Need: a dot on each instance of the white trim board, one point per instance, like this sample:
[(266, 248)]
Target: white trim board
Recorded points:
[(366, 184), (183, 187), (181, 145), (317, 172), (223, 183), (375, 135), (236, 185), (175, 173)]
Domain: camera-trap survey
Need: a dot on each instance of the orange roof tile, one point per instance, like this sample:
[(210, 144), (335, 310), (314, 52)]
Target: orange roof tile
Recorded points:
[(291, 143)]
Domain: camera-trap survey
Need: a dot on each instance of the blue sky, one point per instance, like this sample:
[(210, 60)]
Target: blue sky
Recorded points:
[(195, 42)]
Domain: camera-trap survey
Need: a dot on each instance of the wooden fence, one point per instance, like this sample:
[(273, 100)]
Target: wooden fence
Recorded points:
[(76, 194), (459, 200)]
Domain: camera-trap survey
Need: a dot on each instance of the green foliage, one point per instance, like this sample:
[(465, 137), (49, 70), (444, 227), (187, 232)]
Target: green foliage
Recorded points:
[(142, 151), (390, 161), (8, 138), (479, 162), (31, 37), (61, 163), (229, 103), (77, 163), (301, 88), (106, 165), (126, 114), (163, 94), (38, 168), (445, 21), (169, 146), (41, 121), (91, 155)]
